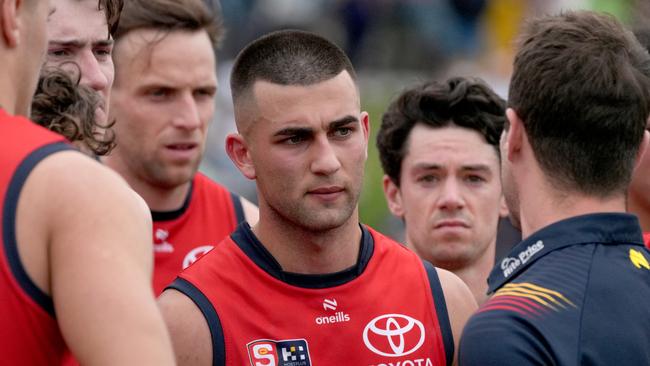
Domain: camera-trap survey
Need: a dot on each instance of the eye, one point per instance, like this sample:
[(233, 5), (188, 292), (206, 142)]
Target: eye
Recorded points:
[(294, 140), (427, 178), (474, 179), (207, 93), (343, 131), (158, 94), (59, 52), (103, 52)]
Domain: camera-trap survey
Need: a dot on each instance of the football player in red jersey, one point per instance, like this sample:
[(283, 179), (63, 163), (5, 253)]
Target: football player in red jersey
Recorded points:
[(163, 103), (74, 264), (263, 294)]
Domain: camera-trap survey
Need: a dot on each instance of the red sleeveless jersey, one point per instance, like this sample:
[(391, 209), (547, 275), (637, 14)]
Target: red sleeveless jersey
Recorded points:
[(387, 310), (29, 332), (208, 215)]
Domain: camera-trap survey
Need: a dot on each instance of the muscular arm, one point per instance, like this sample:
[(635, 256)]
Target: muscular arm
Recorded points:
[(188, 329), (98, 261), (460, 304)]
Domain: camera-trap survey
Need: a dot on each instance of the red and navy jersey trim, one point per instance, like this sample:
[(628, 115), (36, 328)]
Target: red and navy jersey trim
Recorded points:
[(239, 209), (210, 315), (9, 223), (175, 214), (441, 311), (251, 246)]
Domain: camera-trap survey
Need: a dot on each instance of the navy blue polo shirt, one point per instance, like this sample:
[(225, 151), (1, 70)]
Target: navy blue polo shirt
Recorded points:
[(576, 292)]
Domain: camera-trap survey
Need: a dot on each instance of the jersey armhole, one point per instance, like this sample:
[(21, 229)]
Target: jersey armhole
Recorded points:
[(9, 224), (210, 315), (441, 310), (239, 209)]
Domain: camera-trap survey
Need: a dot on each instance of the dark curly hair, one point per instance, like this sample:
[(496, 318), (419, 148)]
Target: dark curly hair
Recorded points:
[(463, 102), (62, 105)]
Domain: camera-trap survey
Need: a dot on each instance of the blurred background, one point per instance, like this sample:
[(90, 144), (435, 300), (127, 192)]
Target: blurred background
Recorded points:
[(392, 44)]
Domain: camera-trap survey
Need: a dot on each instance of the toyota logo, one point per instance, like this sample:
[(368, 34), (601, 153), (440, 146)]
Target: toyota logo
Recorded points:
[(393, 335)]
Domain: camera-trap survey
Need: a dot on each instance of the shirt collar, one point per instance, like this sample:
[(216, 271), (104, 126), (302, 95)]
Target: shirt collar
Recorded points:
[(601, 228), (244, 237)]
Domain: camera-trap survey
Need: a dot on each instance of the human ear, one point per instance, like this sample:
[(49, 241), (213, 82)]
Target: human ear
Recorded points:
[(393, 197), (9, 22), (238, 151)]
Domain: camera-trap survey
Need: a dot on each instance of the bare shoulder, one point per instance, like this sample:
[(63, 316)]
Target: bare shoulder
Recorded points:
[(455, 289), (460, 303), (87, 176), (92, 223), (251, 212), (191, 337)]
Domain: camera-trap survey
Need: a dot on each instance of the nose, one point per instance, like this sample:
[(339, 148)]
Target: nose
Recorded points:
[(91, 72), (451, 197), (325, 161), (187, 112)]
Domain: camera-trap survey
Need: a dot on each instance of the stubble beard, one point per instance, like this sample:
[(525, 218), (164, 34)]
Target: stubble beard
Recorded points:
[(318, 218)]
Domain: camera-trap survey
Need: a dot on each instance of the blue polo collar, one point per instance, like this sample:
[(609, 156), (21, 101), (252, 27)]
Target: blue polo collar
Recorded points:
[(600, 228)]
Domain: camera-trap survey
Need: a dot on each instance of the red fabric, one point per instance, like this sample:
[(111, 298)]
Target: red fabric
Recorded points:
[(29, 334), (646, 238), (255, 307), (208, 219)]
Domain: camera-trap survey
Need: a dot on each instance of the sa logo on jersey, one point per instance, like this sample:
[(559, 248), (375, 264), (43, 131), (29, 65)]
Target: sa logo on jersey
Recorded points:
[(291, 352)]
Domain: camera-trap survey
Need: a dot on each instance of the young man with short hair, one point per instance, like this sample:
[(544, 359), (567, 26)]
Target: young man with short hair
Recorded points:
[(308, 284), (575, 290)]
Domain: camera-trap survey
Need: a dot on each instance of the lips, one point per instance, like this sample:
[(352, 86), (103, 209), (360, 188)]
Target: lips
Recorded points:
[(181, 146), (451, 223), (326, 190)]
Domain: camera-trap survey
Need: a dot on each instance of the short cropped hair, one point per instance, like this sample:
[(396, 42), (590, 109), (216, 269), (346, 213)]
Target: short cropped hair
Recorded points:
[(464, 102), (288, 57), (580, 85), (62, 105), (169, 16)]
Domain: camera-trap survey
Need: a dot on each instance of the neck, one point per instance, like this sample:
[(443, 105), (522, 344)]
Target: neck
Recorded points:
[(157, 198), (474, 274), (637, 207), (8, 100), (300, 250), (542, 209)]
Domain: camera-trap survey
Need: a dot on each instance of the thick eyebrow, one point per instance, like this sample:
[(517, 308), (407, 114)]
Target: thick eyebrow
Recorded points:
[(80, 44), (477, 168), (292, 131), (342, 122), (465, 168)]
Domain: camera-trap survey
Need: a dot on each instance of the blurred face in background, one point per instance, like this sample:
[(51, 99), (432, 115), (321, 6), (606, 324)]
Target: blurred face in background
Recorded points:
[(78, 41), (163, 102), (449, 195), (31, 45)]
